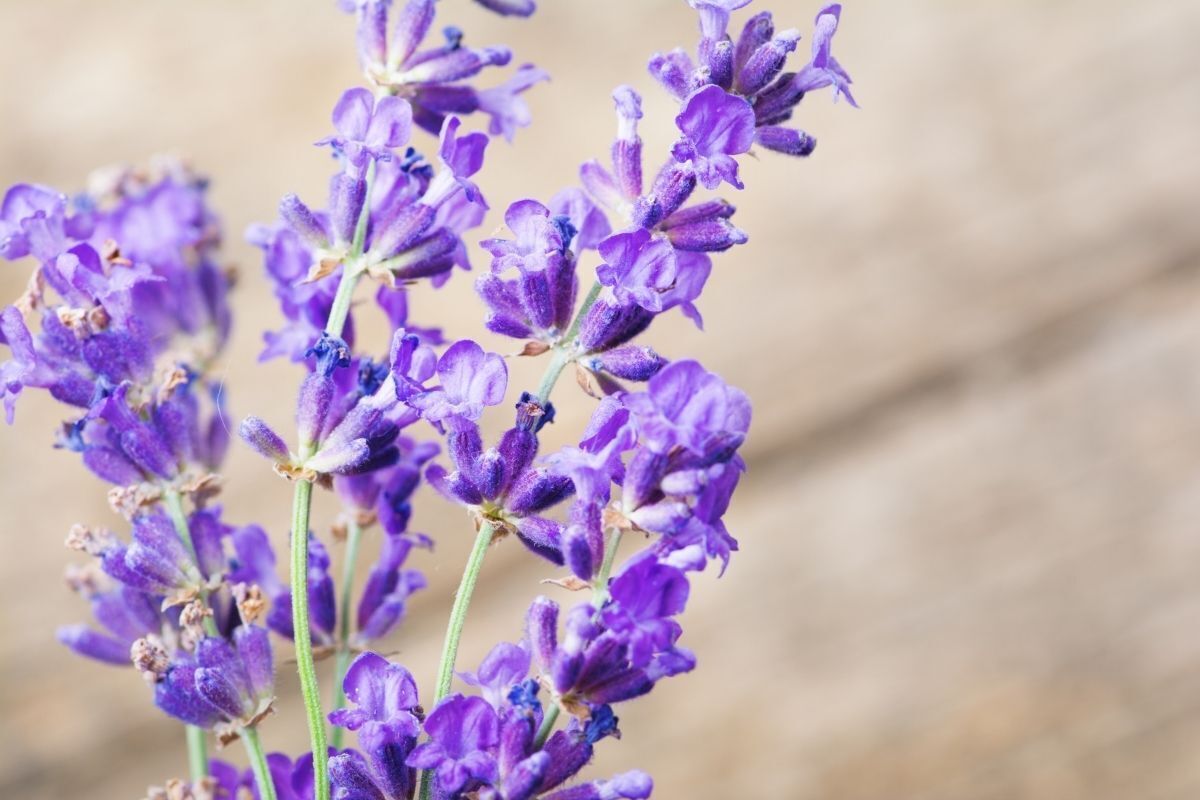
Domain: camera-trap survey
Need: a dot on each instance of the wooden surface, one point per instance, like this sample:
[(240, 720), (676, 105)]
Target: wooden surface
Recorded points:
[(970, 325)]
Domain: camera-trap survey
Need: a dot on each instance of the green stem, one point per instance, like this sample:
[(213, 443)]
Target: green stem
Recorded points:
[(173, 500), (341, 304), (353, 539), (197, 747), (174, 504), (600, 585), (309, 689), (547, 727), (458, 612), (564, 351), (258, 763), (458, 617), (558, 362), (301, 503)]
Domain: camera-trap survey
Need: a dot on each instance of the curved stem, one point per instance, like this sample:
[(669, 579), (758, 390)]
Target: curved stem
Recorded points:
[(309, 689), (197, 747), (547, 727), (353, 539), (258, 763), (458, 612), (454, 629)]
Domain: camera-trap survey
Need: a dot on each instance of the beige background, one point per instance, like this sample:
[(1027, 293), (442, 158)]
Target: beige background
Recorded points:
[(970, 325)]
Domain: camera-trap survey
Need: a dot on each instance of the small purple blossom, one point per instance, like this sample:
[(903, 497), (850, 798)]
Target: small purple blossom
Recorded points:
[(462, 732), (368, 128), (468, 381), (716, 126)]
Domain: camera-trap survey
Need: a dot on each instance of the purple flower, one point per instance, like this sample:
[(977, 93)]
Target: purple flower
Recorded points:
[(231, 784), (369, 129), (510, 8), (638, 268), (538, 301), (716, 126), (505, 105), (462, 732), (124, 613), (501, 670), (686, 406), (224, 682), (714, 15), (462, 157), (436, 79), (33, 222), (644, 598), (632, 785), (469, 379), (502, 484), (824, 70), (107, 315), (592, 666), (589, 223), (388, 587), (382, 693)]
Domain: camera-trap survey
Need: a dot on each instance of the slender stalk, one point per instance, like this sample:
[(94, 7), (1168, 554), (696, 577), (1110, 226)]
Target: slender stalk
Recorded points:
[(353, 539), (458, 612), (600, 585), (309, 689), (341, 304), (197, 747), (558, 362), (173, 501), (458, 617), (301, 503), (547, 727), (258, 763)]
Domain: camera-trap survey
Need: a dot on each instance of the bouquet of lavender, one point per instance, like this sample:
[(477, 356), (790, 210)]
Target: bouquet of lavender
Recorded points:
[(126, 315)]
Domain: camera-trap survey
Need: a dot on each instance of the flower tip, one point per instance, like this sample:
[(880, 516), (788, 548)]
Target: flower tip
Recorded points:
[(263, 439)]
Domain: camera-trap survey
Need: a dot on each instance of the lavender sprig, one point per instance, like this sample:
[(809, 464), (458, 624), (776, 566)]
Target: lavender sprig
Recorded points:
[(182, 598), (133, 313)]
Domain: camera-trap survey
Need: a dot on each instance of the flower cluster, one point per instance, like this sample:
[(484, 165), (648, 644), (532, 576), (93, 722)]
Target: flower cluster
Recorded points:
[(127, 311), (131, 310), (434, 80), (124, 312)]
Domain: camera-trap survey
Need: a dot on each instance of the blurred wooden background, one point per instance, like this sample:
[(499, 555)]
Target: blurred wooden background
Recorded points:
[(970, 325)]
